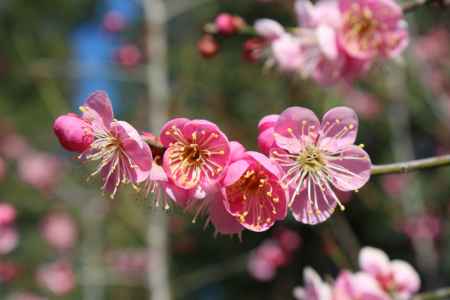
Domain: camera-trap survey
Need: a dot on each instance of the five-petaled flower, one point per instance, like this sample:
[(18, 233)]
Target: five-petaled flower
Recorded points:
[(317, 158), (253, 193)]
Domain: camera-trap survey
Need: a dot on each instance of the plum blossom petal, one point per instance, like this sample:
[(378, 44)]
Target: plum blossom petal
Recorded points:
[(98, 110), (339, 128), (314, 289), (407, 281), (267, 122), (269, 29), (374, 261)]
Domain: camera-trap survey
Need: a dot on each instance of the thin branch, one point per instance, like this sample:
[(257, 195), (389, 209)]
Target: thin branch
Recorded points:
[(413, 165), (443, 293)]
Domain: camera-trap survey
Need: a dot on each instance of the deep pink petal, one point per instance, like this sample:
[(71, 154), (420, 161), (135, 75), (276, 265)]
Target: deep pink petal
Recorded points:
[(99, 109), (235, 171), (267, 122), (266, 141), (223, 221), (237, 151), (339, 128), (166, 136), (351, 170), (265, 162)]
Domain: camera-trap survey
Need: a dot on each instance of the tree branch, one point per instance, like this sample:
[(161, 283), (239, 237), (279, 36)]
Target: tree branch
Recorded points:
[(413, 165), (443, 293)]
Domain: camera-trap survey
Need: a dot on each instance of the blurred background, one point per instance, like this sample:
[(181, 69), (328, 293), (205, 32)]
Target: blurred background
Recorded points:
[(68, 242)]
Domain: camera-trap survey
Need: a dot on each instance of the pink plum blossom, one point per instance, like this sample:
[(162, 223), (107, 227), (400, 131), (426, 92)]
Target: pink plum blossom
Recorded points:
[(252, 192), (7, 214), (357, 286), (58, 277), (314, 288), (123, 154), (288, 239), (287, 52), (225, 24), (59, 230), (317, 158), (265, 260), (424, 226), (372, 28), (40, 170), (9, 239), (13, 146), (73, 133), (197, 152), (213, 203), (114, 21), (129, 56), (269, 29), (394, 276)]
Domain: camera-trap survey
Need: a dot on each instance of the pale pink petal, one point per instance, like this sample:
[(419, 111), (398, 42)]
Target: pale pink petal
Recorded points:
[(406, 279), (326, 36), (265, 162), (305, 13), (268, 29), (339, 128), (309, 213), (295, 126), (315, 288), (374, 261), (351, 169), (288, 53), (235, 171), (237, 151), (366, 287)]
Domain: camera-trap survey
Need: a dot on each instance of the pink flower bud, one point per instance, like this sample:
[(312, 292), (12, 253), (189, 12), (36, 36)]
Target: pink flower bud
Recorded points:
[(252, 49), (208, 46), (73, 133), (129, 56), (7, 214), (225, 24)]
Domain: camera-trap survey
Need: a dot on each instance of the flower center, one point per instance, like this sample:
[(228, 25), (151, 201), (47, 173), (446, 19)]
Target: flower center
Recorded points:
[(311, 159), (192, 153), (361, 26)]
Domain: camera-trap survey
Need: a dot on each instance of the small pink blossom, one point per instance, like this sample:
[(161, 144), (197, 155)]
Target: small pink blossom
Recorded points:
[(197, 152), (58, 277), (59, 230), (394, 276), (123, 154), (314, 288), (225, 24), (114, 21), (9, 239), (7, 214), (357, 286), (424, 226), (395, 184), (287, 52), (288, 239), (13, 146), (317, 158), (252, 192), (265, 138), (372, 28), (40, 170), (208, 46), (73, 133), (265, 260), (129, 56)]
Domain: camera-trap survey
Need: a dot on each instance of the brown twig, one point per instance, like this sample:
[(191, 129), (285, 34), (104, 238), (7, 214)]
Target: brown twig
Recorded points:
[(413, 165)]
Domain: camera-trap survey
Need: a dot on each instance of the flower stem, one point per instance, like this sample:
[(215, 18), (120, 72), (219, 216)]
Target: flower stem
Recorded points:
[(413, 165), (443, 293)]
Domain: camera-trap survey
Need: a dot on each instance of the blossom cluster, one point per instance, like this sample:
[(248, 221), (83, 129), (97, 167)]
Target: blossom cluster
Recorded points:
[(379, 279), (302, 164), (335, 40)]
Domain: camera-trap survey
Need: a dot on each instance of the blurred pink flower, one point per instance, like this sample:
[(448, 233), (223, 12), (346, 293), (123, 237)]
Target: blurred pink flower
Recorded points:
[(59, 230), (372, 28), (225, 24), (13, 146), (269, 29), (253, 49), (434, 46), (40, 170), (8, 271), (252, 192), (58, 277), (288, 54), (208, 46), (394, 276), (73, 133), (9, 238), (288, 239), (264, 261), (197, 152), (114, 21), (317, 158), (266, 140), (366, 105), (129, 56), (314, 288), (7, 214), (425, 226), (395, 184), (123, 154), (128, 262), (357, 286)]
